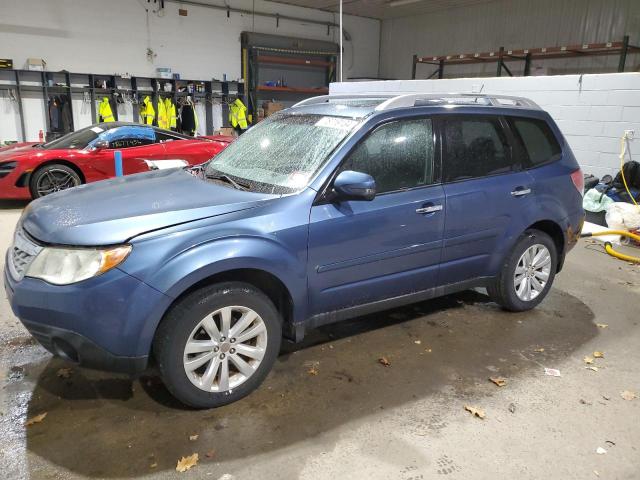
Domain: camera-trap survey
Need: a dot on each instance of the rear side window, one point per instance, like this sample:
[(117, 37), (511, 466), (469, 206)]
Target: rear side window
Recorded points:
[(540, 144), (474, 146), (398, 155)]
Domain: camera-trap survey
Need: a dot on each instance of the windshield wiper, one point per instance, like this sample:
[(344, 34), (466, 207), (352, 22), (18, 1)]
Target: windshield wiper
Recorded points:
[(229, 180)]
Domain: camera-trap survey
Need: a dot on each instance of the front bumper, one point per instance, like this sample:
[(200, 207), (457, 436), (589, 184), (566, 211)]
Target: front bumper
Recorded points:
[(106, 322), (15, 186)]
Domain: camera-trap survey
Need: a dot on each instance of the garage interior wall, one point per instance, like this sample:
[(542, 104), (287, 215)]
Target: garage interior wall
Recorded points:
[(592, 111), (513, 24), (98, 36)]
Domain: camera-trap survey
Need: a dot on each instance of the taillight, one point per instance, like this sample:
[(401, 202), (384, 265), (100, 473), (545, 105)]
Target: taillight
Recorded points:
[(578, 180)]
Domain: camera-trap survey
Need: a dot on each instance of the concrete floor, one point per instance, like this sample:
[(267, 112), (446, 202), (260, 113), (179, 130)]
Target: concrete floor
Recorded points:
[(357, 418)]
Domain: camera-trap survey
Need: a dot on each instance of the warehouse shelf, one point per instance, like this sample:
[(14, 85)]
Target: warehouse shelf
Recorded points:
[(286, 60), (502, 55), (267, 88)]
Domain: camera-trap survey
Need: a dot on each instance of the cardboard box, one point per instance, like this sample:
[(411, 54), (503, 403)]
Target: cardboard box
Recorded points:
[(271, 107), (226, 131), (36, 64)]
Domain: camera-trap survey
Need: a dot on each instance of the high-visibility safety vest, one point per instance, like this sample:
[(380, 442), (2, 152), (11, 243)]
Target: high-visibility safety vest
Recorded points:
[(171, 113), (147, 112), (163, 120), (238, 114), (104, 111)]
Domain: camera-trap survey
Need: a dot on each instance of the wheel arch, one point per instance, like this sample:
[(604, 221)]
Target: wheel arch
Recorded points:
[(56, 161), (268, 283), (554, 230)]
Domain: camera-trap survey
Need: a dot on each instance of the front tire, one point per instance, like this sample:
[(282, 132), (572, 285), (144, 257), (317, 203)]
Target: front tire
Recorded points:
[(217, 344), (527, 273), (52, 178)]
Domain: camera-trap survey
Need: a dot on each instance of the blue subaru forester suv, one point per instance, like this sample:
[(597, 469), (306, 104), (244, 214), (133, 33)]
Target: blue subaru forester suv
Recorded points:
[(336, 207)]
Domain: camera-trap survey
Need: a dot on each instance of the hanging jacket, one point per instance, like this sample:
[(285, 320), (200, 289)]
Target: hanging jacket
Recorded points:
[(104, 111), (147, 112), (163, 120), (65, 115), (171, 113), (189, 119), (54, 114), (238, 114)]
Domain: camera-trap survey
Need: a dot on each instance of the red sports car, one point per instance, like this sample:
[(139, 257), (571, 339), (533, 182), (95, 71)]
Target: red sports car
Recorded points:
[(31, 170)]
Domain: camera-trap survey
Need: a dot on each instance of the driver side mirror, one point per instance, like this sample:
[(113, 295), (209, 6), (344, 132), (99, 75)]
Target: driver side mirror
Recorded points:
[(101, 144), (350, 185)]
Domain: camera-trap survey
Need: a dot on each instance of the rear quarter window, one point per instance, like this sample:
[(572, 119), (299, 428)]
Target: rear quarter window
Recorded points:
[(538, 141)]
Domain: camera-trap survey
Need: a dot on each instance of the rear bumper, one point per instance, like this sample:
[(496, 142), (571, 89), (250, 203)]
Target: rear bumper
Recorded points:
[(106, 322)]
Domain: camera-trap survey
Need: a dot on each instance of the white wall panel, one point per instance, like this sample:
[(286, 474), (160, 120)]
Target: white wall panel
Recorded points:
[(513, 24)]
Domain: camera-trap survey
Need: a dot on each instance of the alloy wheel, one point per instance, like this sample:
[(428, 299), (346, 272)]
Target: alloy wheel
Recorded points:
[(532, 272), (225, 349), (54, 180)]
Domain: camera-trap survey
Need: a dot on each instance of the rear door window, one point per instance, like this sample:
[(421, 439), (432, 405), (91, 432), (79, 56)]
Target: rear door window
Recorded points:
[(539, 142), (474, 146)]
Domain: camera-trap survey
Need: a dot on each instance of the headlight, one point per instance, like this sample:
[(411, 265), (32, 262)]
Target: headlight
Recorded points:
[(62, 266)]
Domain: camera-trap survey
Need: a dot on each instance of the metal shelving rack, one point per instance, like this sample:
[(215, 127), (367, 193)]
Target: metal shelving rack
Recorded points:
[(28, 81), (306, 61), (502, 56)]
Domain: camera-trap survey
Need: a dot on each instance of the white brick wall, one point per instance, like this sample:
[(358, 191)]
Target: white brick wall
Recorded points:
[(593, 111)]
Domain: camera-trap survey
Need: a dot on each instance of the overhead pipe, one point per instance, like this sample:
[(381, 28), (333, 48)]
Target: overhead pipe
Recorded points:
[(276, 16)]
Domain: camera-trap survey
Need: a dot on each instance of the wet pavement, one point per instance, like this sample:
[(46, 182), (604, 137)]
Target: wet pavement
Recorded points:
[(331, 409)]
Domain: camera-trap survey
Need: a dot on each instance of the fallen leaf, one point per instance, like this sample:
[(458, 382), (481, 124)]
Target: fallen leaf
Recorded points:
[(476, 412), (602, 325), (512, 407), (606, 397), (539, 350), (193, 438), (553, 372), (384, 361), (36, 419), (598, 354), (64, 372), (312, 371), (210, 454), (428, 350), (185, 463), (600, 451), (417, 342), (588, 360), (499, 381), (595, 369), (627, 395), (153, 465), (595, 472)]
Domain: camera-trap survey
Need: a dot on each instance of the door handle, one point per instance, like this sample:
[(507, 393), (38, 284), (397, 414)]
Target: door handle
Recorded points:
[(429, 209), (521, 192)]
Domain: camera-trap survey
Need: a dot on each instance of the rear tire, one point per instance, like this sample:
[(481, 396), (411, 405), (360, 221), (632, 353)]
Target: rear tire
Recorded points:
[(217, 344), (52, 178), (527, 273)]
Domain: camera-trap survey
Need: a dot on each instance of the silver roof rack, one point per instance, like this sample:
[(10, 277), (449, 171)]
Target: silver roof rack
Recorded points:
[(390, 101), (328, 98)]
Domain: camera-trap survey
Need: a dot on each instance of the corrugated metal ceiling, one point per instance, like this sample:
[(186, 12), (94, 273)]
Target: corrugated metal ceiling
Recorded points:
[(383, 9)]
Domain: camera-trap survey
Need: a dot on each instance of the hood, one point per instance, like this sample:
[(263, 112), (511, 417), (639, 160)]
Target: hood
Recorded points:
[(114, 211), (12, 152)]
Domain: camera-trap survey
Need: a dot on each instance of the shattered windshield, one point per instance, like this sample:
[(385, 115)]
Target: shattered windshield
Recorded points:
[(282, 153)]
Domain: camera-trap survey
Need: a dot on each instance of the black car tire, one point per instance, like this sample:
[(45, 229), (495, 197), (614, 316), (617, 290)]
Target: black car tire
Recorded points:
[(177, 326), (57, 169), (502, 290)]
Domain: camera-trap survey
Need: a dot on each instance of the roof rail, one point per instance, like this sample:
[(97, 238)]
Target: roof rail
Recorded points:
[(389, 100), (352, 96), (424, 99)]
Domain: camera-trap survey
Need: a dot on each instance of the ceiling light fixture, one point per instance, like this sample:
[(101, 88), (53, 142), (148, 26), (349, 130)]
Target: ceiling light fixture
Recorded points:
[(399, 3)]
